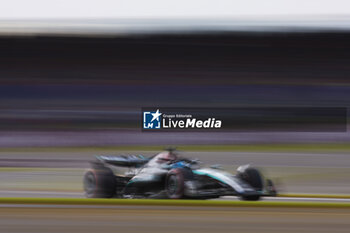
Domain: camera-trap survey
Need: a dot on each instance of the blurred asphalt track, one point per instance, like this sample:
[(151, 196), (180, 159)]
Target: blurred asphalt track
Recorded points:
[(38, 218), (59, 174), (261, 159)]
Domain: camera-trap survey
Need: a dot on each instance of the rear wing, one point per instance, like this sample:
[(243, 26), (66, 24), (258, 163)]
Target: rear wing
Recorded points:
[(123, 160)]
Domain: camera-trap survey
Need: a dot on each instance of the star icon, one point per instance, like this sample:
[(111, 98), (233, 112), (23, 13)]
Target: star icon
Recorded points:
[(156, 115)]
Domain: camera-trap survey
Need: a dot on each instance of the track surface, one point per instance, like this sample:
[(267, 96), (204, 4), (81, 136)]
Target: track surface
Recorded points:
[(80, 159), (37, 218), (294, 172)]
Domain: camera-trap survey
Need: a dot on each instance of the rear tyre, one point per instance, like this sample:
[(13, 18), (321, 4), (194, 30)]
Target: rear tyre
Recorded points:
[(175, 182), (99, 183)]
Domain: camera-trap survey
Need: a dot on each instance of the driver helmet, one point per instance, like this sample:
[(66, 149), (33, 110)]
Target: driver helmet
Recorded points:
[(166, 157)]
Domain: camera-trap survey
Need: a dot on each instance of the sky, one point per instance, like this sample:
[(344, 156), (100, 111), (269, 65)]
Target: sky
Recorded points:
[(72, 9)]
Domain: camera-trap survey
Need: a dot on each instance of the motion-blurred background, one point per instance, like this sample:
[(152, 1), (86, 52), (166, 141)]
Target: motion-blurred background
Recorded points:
[(75, 75)]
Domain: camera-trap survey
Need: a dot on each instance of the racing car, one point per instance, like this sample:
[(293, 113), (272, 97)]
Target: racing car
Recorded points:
[(166, 175)]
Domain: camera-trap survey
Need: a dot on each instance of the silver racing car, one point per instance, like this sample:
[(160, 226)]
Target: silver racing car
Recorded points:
[(166, 175)]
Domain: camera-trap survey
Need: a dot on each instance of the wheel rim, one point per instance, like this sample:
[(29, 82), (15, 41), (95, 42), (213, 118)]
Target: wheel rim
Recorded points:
[(172, 185), (89, 183)]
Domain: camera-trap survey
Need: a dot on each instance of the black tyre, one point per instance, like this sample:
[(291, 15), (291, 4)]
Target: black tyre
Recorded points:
[(99, 183), (254, 178), (175, 182), (250, 198)]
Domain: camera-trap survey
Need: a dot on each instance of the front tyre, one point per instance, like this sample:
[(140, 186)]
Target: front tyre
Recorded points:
[(250, 198), (255, 179)]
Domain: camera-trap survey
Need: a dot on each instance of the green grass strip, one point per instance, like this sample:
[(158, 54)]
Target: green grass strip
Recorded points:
[(182, 203)]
